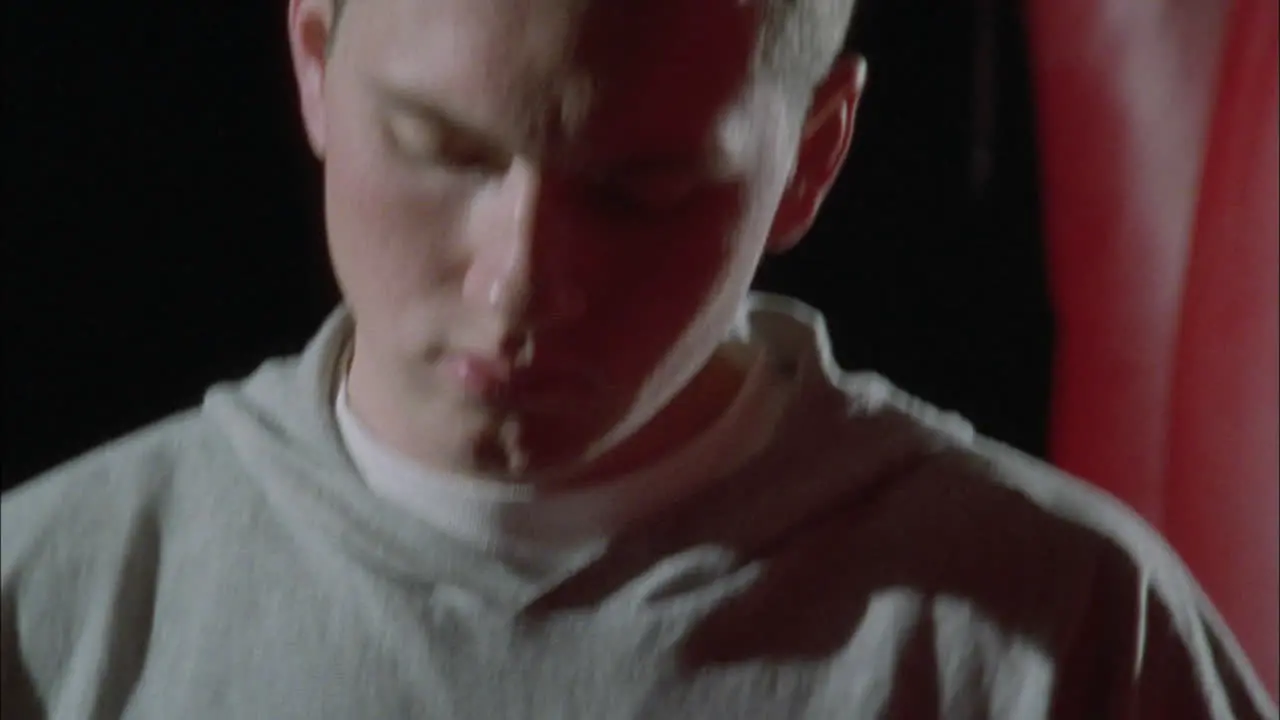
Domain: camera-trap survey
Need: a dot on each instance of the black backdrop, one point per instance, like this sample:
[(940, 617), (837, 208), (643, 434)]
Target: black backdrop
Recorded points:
[(162, 219)]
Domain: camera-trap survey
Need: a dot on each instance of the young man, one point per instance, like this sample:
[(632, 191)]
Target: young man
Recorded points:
[(551, 460)]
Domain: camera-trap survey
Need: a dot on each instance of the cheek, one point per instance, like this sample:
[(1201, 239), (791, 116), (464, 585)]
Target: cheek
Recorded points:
[(390, 241), (678, 267), (389, 237), (658, 283)]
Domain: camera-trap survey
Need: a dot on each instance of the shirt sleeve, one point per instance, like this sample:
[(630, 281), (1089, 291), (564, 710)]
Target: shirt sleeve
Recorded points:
[(1190, 666), (22, 513), (1151, 646), (18, 698)]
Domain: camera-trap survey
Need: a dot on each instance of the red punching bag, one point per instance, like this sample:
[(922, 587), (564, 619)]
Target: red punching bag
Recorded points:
[(1123, 91), (1222, 502), (1158, 128)]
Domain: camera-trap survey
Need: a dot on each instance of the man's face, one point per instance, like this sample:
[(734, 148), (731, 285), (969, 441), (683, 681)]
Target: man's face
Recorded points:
[(542, 217)]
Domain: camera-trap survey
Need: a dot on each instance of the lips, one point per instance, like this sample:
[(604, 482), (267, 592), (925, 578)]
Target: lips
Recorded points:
[(537, 387), (479, 375)]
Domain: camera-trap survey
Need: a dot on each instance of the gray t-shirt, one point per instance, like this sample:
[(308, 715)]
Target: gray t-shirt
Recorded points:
[(875, 560)]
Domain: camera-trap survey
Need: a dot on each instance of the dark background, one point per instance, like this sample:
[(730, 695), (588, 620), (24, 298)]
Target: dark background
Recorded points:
[(163, 228)]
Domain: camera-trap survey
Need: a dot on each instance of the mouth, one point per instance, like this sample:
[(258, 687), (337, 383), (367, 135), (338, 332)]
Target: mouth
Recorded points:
[(478, 375), (533, 388)]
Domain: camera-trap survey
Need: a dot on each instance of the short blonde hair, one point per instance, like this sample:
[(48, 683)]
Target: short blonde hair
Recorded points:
[(800, 40)]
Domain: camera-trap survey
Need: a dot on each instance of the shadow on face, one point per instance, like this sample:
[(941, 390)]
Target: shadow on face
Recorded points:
[(578, 193)]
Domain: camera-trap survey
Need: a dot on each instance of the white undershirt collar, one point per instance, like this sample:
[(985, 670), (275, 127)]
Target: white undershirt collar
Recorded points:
[(548, 530)]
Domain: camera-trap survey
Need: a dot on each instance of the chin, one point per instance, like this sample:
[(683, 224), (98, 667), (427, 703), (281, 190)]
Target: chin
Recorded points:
[(541, 447)]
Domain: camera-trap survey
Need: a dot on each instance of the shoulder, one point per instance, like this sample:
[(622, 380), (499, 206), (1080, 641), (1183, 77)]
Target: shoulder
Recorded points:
[(82, 542), (86, 497), (1047, 557), (1076, 502), (945, 472), (62, 530), (1018, 518), (1142, 614)]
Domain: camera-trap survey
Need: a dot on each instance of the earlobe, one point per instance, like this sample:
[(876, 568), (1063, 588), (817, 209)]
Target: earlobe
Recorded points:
[(824, 145), (309, 27)]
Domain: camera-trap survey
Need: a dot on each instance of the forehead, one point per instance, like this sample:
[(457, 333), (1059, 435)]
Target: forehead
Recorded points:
[(582, 72)]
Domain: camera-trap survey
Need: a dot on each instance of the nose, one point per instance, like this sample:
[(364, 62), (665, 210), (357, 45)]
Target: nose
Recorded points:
[(522, 262)]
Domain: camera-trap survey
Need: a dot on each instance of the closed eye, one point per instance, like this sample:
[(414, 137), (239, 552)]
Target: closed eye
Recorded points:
[(420, 141), (649, 193)]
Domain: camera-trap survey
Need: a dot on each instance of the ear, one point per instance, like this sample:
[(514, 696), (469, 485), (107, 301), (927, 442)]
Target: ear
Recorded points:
[(824, 144), (310, 25)]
